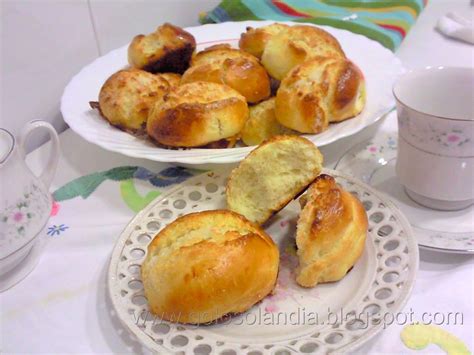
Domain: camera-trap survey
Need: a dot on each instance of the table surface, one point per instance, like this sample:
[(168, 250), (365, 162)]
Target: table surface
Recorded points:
[(62, 306)]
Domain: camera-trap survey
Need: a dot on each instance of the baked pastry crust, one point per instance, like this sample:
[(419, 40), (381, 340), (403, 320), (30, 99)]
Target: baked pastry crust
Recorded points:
[(271, 176), (331, 233), (262, 124), (196, 114), (168, 49), (233, 67), (206, 265), (127, 96), (254, 40), (173, 79), (295, 45), (319, 91)]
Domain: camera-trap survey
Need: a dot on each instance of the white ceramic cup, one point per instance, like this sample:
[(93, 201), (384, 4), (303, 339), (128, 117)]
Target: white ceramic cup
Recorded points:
[(435, 162)]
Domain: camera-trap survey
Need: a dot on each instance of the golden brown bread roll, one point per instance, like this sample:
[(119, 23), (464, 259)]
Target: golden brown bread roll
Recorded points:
[(331, 233), (235, 68), (128, 95), (196, 114), (206, 265), (271, 176), (168, 49), (172, 78), (296, 44), (254, 40), (319, 91), (262, 124)]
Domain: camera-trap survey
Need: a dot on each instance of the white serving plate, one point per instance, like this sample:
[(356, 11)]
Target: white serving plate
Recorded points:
[(379, 65), (379, 283)]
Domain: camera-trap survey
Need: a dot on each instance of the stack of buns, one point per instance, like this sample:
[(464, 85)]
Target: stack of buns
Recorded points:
[(292, 80), (206, 265)]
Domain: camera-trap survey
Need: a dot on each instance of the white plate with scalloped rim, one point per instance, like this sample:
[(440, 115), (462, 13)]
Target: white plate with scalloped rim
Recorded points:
[(379, 283), (379, 65)]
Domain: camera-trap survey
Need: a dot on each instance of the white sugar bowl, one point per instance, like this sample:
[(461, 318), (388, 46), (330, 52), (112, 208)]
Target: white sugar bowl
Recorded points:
[(25, 202)]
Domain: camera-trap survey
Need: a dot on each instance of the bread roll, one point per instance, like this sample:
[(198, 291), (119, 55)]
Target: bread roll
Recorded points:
[(196, 114), (295, 45), (173, 78), (168, 49), (319, 91), (254, 40), (262, 124), (206, 265), (271, 176), (331, 232), (235, 68), (128, 95)]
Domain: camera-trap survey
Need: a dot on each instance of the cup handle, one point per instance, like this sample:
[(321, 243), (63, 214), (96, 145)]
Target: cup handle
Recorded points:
[(50, 168)]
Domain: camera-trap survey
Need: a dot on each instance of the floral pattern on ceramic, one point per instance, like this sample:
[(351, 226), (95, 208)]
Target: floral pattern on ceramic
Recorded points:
[(448, 240), (382, 150), (436, 135), (286, 288), (453, 138), (378, 149), (286, 277), (19, 216)]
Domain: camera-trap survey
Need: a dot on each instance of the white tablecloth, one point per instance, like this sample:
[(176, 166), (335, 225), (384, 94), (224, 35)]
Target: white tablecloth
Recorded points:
[(62, 306)]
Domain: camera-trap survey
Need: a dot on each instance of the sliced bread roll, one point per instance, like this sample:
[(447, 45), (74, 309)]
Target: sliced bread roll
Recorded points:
[(331, 233), (271, 176)]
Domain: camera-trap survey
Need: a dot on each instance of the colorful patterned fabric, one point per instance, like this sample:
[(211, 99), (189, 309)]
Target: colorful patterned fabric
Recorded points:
[(386, 21), (85, 185)]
